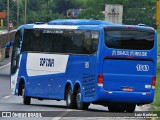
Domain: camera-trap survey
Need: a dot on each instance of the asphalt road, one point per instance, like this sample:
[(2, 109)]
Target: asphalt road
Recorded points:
[(55, 110)]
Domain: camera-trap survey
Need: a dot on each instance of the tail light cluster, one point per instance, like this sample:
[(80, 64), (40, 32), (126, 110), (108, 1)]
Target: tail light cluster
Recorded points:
[(153, 81), (100, 80)]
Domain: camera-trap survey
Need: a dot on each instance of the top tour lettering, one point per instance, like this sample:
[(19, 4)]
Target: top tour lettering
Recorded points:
[(48, 62)]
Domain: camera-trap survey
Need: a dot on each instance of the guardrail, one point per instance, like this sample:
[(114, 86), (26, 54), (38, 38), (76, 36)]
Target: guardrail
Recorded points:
[(4, 38)]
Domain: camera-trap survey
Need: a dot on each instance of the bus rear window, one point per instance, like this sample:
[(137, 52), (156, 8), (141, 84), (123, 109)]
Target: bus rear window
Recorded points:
[(135, 40)]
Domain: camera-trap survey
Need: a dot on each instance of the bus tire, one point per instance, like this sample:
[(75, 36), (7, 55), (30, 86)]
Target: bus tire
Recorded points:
[(26, 100), (70, 102), (6, 56), (116, 108), (80, 105), (130, 108)]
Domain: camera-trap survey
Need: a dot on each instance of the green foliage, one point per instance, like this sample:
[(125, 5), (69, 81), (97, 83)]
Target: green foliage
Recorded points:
[(135, 11), (3, 8), (92, 10), (3, 5), (158, 34), (156, 102), (91, 14)]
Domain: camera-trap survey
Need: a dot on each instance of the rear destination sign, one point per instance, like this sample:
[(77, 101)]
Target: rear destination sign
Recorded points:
[(128, 53)]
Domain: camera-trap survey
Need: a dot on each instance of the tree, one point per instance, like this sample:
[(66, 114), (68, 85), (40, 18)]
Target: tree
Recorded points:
[(93, 10), (135, 11), (3, 5), (90, 13), (3, 8)]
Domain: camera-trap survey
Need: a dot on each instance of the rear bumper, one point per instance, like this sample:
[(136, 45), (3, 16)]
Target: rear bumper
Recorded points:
[(125, 97)]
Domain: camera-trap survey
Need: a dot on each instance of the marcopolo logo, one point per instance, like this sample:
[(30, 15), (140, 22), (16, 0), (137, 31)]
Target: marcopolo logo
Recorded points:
[(141, 67), (48, 62)]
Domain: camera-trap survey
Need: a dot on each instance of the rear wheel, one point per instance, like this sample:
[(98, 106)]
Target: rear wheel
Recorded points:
[(26, 99), (116, 108), (70, 102), (81, 105), (130, 108)]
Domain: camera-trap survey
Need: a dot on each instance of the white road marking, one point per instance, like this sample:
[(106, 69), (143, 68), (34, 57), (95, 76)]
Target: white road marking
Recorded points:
[(62, 114), (5, 65), (6, 97)]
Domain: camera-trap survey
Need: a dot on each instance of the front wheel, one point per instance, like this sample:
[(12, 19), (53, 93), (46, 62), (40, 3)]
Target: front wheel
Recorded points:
[(81, 105), (26, 99)]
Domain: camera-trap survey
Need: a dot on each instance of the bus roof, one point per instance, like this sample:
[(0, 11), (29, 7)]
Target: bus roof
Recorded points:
[(78, 24), (69, 24)]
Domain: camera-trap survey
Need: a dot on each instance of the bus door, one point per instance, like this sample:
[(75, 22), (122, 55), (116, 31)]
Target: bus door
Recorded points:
[(130, 64)]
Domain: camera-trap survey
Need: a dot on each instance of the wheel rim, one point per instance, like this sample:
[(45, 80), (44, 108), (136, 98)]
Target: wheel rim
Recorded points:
[(23, 92), (78, 98)]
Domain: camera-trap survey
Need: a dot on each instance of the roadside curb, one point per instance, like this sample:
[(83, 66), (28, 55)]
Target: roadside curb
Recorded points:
[(148, 107)]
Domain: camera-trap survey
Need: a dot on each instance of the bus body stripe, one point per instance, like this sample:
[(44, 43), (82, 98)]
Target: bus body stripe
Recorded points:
[(45, 64)]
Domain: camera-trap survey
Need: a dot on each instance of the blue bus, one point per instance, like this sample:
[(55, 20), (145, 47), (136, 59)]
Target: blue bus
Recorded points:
[(85, 61)]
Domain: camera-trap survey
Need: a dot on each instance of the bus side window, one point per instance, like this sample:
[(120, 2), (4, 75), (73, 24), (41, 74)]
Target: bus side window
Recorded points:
[(94, 41)]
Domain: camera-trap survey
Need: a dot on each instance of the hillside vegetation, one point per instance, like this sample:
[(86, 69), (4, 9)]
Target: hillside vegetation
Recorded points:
[(157, 94), (135, 11)]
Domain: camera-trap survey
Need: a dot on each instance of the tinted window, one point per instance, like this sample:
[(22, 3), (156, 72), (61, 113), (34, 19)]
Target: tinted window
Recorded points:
[(60, 41), (16, 52), (136, 40)]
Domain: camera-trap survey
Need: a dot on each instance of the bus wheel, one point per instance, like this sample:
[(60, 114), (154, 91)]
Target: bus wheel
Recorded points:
[(26, 100), (130, 108), (116, 108), (81, 105), (70, 103)]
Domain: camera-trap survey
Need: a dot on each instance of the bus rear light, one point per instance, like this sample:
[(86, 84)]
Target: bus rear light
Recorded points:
[(100, 80), (153, 82)]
